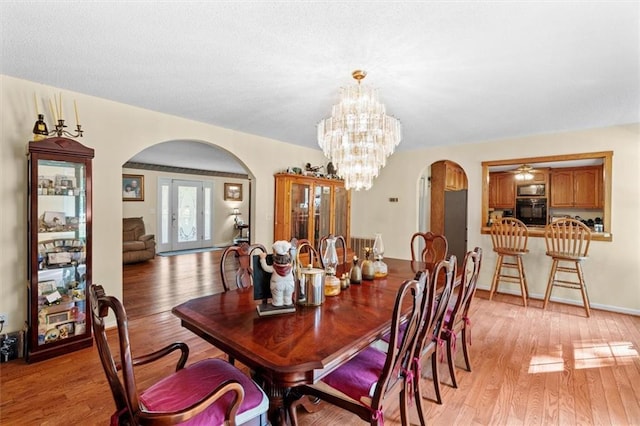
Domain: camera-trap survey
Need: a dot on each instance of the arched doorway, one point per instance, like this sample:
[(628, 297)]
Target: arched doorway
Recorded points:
[(199, 169), (448, 212)]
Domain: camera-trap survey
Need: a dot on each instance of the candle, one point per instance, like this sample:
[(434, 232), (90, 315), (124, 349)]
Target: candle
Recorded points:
[(35, 100), (60, 113), (75, 107), (53, 113)]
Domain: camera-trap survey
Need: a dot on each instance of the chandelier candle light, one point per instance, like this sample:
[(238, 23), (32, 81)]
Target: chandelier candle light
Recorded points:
[(359, 135), (40, 130)]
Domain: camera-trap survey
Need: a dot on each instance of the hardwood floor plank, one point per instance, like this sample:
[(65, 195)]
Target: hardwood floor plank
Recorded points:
[(529, 366)]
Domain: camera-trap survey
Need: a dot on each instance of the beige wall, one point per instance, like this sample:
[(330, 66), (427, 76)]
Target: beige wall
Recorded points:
[(613, 269), (117, 132)]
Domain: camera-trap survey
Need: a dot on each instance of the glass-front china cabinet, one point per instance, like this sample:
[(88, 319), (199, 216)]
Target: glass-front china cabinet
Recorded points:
[(309, 208), (59, 248)]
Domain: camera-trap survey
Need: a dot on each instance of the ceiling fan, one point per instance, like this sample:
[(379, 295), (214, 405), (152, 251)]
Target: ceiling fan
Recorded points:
[(524, 172)]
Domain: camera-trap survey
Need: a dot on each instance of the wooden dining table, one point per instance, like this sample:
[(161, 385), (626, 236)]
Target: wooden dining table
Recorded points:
[(287, 350)]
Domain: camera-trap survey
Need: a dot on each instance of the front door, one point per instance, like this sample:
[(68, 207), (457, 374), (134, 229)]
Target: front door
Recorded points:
[(186, 214)]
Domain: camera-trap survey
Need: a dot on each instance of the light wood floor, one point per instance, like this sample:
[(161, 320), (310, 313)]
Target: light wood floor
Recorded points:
[(529, 366)]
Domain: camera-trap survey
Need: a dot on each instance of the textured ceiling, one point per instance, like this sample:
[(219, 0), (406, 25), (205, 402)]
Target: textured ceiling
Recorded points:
[(452, 72)]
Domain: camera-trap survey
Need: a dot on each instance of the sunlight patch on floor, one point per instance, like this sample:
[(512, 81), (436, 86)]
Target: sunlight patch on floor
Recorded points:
[(589, 354), (603, 354), (547, 363)]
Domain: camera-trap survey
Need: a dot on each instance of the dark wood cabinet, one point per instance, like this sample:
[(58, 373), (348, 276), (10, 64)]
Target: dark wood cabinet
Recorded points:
[(59, 248), (309, 208), (579, 187)]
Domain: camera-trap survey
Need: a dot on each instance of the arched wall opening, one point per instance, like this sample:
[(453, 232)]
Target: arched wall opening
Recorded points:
[(186, 160), (444, 206)]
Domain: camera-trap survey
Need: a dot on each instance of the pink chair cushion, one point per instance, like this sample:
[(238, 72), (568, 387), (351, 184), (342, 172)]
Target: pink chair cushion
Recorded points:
[(193, 383), (401, 331), (356, 377)]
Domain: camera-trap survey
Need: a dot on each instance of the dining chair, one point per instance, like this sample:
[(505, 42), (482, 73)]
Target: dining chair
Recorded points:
[(510, 237), (366, 383), (240, 265), (435, 247), (210, 391), (340, 241), (456, 319), (308, 255), (567, 242), (428, 344)]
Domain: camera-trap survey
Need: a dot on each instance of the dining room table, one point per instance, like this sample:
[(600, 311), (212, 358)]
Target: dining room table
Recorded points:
[(287, 350)]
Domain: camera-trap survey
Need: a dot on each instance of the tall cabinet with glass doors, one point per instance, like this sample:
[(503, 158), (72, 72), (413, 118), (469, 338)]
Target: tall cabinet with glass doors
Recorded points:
[(309, 208), (59, 248)]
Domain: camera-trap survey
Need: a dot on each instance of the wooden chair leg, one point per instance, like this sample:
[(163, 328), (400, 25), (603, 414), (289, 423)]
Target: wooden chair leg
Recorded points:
[(465, 348), (521, 278), (583, 289), (436, 376), (450, 360), (496, 275), (417, 390), (404, 405), (293, 415), (552, 278)]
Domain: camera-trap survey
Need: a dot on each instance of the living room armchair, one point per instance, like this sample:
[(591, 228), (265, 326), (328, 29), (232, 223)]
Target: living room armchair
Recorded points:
[(136, 245)]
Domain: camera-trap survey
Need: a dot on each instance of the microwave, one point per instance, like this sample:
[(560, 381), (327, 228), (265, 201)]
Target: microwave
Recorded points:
[(531, 190)]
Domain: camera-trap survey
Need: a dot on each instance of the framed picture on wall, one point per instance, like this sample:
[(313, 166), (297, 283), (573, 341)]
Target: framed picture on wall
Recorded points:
[(132, 187), (233, 192)]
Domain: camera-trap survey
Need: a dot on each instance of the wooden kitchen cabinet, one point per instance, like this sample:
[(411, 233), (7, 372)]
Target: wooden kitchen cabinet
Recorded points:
[(453, 176), (502, 190), (579, 187), (309, 208)]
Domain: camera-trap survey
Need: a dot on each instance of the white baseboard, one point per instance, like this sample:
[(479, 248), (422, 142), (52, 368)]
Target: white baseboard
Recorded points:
[(573, 302)]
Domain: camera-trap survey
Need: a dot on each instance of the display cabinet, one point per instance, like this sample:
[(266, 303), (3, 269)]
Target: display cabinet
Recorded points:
[(59, 248), (309, 208)]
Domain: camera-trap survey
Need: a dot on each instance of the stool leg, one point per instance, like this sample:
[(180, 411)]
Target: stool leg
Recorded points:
[(583, 288), (496, 274), (524, 279), (523, 283), (552, 277)]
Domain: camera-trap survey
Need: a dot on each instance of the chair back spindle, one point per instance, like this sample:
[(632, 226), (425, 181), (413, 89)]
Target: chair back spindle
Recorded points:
[(568, 236)]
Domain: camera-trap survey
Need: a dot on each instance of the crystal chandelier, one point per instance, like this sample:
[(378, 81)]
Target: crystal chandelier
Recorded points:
[(359, 135)]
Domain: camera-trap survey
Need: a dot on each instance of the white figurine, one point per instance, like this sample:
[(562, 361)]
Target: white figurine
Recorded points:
[(282, 283)]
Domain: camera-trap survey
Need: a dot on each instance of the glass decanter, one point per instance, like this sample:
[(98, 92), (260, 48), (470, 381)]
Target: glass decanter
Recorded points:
[(379, 267), (330, 259)]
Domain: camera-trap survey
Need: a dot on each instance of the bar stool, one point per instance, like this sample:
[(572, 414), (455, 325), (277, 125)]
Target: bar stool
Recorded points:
[(567, 241), (510, 237)]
